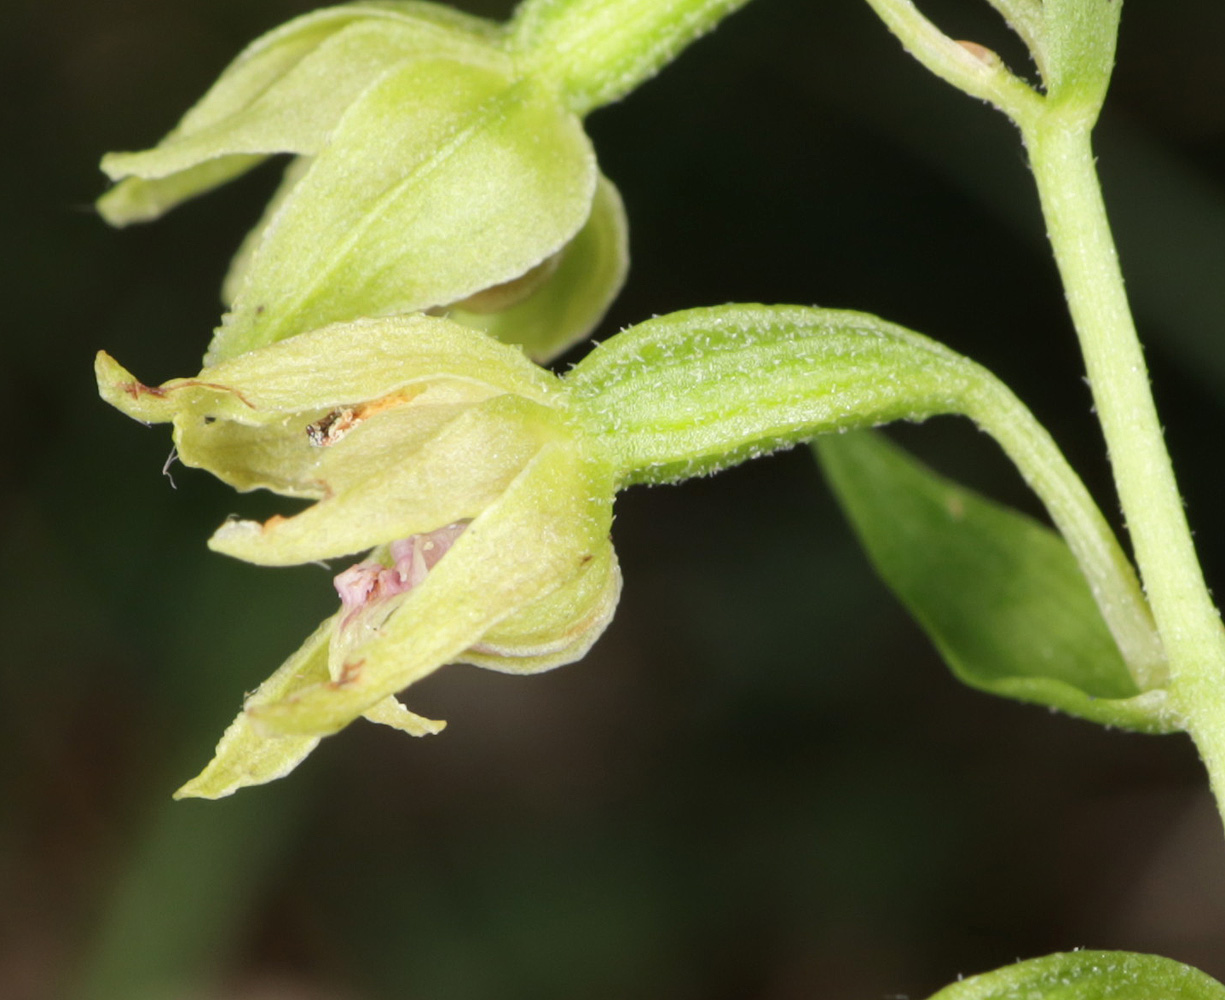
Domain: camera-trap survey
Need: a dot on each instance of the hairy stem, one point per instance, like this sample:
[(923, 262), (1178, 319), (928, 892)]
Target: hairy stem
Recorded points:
[(1189, 625), (597, 51)]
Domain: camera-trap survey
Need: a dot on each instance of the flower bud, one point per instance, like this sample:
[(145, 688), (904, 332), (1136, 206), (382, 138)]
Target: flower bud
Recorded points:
[(428, 170)]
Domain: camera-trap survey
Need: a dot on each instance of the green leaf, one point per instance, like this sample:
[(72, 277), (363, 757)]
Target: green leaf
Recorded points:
[(999, 594), (1089, 975)]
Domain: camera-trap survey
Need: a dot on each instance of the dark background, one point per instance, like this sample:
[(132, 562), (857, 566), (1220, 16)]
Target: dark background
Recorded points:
[(762, 783)]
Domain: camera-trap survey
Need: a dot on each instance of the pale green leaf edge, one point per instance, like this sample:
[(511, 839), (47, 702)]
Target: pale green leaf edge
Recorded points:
[(1089, 975)]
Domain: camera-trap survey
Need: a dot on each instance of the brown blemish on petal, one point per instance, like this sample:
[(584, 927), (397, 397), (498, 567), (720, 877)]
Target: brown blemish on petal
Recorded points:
[(215, 385), (275, 521), (137, 389), (350, 674), (330, 429)]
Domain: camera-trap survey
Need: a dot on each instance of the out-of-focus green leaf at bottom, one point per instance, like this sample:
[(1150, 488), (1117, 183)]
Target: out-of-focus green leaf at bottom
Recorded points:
[(1089, 975), (999, 594)]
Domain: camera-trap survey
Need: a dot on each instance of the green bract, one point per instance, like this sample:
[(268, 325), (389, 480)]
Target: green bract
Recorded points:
[(1072, 42), (982, 580), (453, 458), (428, 170)]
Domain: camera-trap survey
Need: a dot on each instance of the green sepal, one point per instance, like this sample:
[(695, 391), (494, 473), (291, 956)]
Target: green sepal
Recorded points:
[(999, 594), (539, 535), (434, 479), (442, 179), (248, 753), (236, 274), (341, 364), (572, 299), (411, 424), (137, 200), (1089, 975), (558, 628), (284, 94)]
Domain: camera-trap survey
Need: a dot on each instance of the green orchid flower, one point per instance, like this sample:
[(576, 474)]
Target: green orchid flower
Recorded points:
[(430, 172), (471, 491), (449, 460)]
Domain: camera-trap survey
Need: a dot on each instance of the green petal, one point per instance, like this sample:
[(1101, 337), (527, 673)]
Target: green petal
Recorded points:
[(285, 93), (441, 180), (236, 275), (534, 540), (397, 383), (453, 476), (136, 200), (983, 581), (335, 366), (390, 712), (572, 301), (281, 457), (251, 754), (557, 629)]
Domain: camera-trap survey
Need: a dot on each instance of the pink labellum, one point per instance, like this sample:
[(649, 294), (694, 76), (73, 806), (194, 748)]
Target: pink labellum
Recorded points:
[(369, 583)]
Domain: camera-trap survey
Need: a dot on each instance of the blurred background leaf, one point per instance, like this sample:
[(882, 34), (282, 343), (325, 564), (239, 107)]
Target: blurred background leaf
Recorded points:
[(715, 803)]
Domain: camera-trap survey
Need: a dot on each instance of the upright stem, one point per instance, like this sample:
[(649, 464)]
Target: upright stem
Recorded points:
[(1190, 628), (597, 51)]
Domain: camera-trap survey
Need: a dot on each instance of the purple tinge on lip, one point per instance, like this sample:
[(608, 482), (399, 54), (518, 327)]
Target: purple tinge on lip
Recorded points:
[(369, 582)]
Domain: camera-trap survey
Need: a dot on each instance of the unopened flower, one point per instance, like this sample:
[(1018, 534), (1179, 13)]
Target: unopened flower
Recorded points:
[(429, 174), (449, 456)]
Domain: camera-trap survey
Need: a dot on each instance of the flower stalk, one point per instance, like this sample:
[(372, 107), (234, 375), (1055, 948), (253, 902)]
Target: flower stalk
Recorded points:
[(597, 51), (1061, 157), (1073, 44)]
